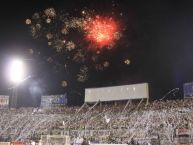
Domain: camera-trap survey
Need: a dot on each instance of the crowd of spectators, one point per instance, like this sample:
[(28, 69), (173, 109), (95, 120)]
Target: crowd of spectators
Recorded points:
[(110, 122)]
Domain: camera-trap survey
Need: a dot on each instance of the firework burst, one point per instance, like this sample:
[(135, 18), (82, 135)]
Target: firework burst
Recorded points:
[(101, 31), (77, 39)]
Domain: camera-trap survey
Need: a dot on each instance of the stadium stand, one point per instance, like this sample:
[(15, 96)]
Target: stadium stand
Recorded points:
[(103, 123)]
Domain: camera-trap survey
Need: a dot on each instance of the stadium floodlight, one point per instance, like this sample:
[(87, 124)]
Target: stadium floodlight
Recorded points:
[(16, 71)]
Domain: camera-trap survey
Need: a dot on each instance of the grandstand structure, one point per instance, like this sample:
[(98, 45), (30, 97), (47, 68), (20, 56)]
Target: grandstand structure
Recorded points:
[(160, 122)]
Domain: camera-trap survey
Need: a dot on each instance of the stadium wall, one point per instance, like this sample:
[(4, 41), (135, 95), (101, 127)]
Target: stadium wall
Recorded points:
[(4, 143)]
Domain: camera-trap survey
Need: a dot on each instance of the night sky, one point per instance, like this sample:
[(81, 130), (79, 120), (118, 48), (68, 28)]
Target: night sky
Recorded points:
[(158, 42)]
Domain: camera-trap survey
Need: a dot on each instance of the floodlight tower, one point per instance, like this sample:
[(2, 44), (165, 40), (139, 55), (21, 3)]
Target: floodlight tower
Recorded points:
[(16, 73)]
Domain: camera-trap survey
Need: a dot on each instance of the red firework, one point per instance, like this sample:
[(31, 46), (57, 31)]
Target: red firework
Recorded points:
[(101, 31)]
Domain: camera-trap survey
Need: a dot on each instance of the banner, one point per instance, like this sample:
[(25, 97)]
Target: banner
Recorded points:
[(17, 143), (4, 143), (4, 101), (103, 133), (188, 90), (183, 131), (55, 140), (183, 141), (108, 144), (53, 101)]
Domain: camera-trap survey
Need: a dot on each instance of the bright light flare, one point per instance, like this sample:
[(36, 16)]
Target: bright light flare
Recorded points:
[(101, 31), (16, 71)]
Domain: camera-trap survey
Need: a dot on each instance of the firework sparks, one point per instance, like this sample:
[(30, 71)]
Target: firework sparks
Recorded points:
[(106, 64), (79, 56), (64, 31), (70, 45), (36, 16), (64, 84), (101, 31), (50, 12), (49, 43), (33, 31), (58, 45), (49, 36), (48, 20), (82, 76), (28, 21), (127, 61), (95, 32)]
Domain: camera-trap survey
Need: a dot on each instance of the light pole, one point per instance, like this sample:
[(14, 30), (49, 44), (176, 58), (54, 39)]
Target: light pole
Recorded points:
[(16, 75), (14, 94), (13, 99)]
